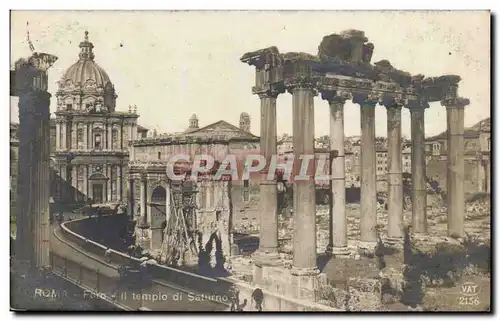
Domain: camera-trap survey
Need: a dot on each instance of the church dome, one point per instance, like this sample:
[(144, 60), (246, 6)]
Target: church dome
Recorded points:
[(86, 70), (193, 117), (85, 84)]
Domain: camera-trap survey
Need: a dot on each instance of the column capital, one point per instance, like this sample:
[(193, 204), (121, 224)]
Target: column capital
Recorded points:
[(368, 99), (456, 102), (417, 106), (269, 93), (335, 96), (394, 102), (301, 83)]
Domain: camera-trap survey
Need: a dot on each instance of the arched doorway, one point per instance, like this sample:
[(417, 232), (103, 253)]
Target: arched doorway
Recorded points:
[(158, 206), (97, 191)]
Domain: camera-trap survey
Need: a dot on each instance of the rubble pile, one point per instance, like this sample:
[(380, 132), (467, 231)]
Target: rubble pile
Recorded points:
[(246, 227), (364, 294), (477, 209)]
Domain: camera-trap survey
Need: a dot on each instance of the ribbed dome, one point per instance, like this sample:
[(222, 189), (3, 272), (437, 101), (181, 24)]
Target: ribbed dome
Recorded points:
[(86, 68)]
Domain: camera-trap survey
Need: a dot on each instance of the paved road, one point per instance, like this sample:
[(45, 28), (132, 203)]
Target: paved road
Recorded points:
[(104, 279)]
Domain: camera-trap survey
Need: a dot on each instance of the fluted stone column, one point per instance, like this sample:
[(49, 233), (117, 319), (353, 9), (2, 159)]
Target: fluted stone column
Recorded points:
[(74, 181), (368, 174), (488, 176), (168, 202), (41, 215), (85, 136), (32, 220), (119, 169), (109, 184), (144, 197), (110, 136), (120, 137), (418, 171), (395, 227), (90, 137), (131, 197), (338, 220), (455, 165), (65, 138), (74, 143), (304, 202), (58, 135), (268, 193), (27, 179), (85, 182)]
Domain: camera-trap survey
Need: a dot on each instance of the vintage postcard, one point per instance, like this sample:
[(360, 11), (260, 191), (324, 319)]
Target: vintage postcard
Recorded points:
[(250, 161)]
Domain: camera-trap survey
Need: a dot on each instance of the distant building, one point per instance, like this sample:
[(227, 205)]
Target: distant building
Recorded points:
[(477, 152), (89, 137), (149, 158), (406, 160)]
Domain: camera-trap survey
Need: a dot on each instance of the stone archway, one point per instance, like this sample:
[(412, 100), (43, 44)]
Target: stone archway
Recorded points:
[(157, 205), (98, 188), (158, 215)]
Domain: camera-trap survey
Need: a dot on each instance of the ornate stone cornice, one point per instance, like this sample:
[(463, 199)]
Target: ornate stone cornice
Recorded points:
[(456, 102), (301, 83), (343, 63), (264, 58)]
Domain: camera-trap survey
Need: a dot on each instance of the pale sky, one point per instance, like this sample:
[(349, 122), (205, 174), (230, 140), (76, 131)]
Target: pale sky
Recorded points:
[(174, 64)]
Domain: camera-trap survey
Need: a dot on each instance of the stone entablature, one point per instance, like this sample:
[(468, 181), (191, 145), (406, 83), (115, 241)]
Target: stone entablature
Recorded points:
[(184, 140), (343, 66)]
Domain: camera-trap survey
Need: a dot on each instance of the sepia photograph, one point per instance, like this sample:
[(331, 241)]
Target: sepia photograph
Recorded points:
[(250, 161)]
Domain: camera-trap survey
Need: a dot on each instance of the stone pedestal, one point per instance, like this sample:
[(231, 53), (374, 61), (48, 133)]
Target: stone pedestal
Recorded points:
[(291, 283), (156, 239)]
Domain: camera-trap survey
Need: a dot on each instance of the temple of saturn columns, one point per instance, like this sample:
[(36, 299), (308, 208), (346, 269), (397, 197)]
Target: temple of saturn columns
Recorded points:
[(342, 70)]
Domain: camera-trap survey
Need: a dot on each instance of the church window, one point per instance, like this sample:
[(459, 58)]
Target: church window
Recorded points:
[(97, 141), (159, 155), (116, 142), (69, 106), (79, 138)]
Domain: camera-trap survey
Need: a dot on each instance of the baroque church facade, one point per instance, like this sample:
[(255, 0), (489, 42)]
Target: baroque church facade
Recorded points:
[(90, 138)]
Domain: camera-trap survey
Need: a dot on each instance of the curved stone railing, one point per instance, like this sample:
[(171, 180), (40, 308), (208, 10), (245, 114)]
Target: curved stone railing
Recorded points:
[(210, 286)]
